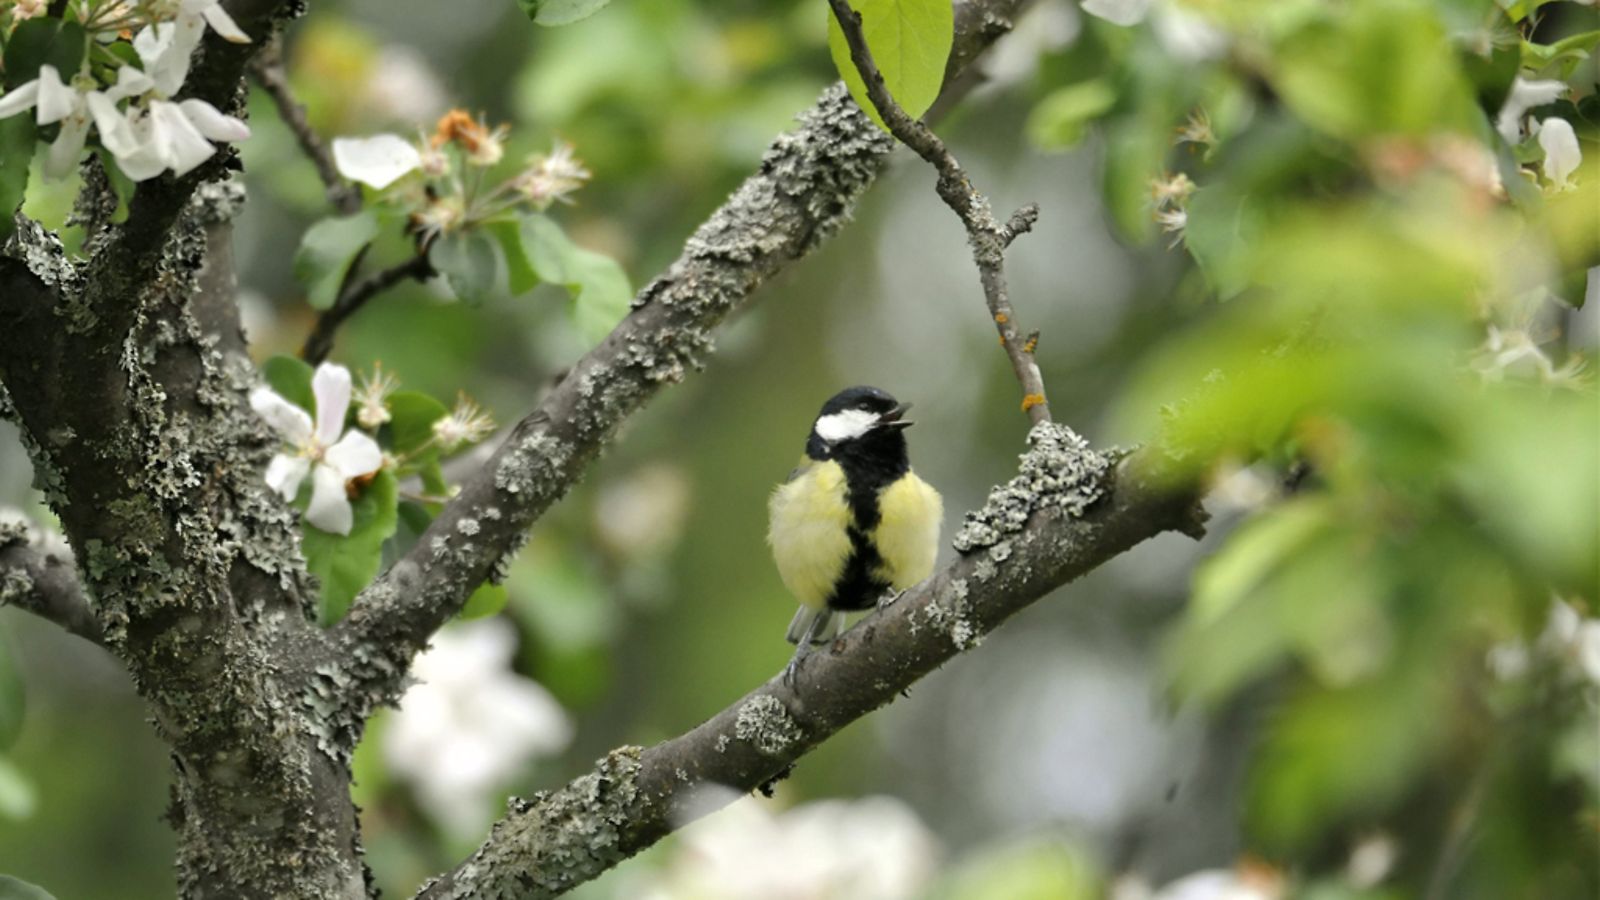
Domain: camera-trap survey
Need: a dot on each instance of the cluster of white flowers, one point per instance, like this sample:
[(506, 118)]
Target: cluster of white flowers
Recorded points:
[(1185, 35), (1568, 637), (450, 201), (470, 724), (1249, 881), (1514, 353), (318, 449), (1556, 137), (875, 848), (138, 123)]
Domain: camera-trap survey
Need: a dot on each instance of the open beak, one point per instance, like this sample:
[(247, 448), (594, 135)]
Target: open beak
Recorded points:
[(894, 418)]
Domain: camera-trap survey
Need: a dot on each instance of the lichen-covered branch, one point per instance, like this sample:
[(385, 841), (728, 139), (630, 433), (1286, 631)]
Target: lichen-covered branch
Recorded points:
[(988, 237), (269, 73), (355, 295), (44, 584), (805, 190), (1067, 511)]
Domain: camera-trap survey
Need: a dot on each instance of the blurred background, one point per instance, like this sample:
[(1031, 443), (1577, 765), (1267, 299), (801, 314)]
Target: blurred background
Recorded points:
[(1325, 722)]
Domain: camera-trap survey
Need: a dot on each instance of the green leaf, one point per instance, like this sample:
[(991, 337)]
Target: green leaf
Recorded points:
[(17, 797), (600, 289), (12, 697), (291, 378), (487, 600), (910, 42), (1565, 55), (1221, 225), (560, 12), (17, 136), (1061, 119), (346, 563), (468, 261), (40, 41), (412, 414), (326, 253), (520, 274), (1333, 756), (1382, 67)]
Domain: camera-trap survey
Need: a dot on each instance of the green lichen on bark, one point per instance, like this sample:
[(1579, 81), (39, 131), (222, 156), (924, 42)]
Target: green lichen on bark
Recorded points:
[(552, 842), (1060, 471), (766, 724)]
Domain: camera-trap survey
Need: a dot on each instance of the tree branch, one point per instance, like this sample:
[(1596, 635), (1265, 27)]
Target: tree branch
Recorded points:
[(1079, 508), (989, 238), (319, 343), (44, 585), (269, 73), (808, 184)]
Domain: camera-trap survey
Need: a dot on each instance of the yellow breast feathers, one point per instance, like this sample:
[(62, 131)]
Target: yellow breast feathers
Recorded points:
[(907, 535), (810, 531)]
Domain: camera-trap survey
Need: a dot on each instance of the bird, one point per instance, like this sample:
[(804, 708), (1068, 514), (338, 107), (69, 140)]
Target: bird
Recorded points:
[(853, 521)]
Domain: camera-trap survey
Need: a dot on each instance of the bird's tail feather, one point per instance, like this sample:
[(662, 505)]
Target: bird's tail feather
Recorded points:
[(822, 625)]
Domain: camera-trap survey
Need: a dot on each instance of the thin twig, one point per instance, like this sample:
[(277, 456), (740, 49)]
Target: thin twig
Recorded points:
[(269, 73), (988, 237), (320, 342)]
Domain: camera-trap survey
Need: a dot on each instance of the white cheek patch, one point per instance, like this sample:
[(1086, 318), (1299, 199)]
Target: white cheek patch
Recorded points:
[(845, 425)]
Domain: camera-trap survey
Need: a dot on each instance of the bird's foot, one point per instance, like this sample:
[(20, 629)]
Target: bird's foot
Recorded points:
[(793, 668), (889, 599)]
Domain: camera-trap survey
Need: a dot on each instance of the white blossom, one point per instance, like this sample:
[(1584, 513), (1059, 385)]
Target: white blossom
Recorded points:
[(874, 848), (152, 134), (1184, 35), (1118, 12), (27, 9), (470, 724), (378, 161), (401, 86), (1586, 647), (552, 177), (1524, 95), (1223, 884), (318, 450), (1561, 153), (467, 423)]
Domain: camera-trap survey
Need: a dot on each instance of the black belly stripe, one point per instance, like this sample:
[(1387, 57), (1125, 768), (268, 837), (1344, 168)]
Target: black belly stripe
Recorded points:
[(858, 586)]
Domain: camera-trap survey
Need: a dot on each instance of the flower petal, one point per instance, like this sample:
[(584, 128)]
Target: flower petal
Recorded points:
[(331, 385), (212, 123), (130, 83), (56, 99), (165, 48), (355, 455), (116, 133), (223, 24), (378, 160), (285, 473), (68, 145), (175, 138), (1118, 12), (330, 508), (1588, 641), (1524, 96), (1561, 153), (287, 419), (20, 98)]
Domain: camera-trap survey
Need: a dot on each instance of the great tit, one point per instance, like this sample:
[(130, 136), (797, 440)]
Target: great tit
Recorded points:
[(852, 521)]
